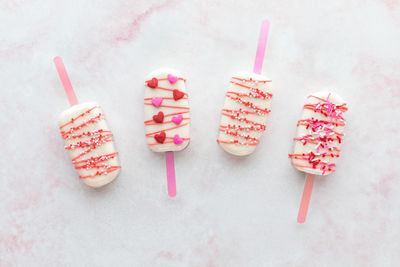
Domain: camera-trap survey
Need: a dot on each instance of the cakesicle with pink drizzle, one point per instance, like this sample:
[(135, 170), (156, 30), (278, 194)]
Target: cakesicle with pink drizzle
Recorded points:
[(87, 137), (318, 140), (244, 114), (167, 117), (247, 104)]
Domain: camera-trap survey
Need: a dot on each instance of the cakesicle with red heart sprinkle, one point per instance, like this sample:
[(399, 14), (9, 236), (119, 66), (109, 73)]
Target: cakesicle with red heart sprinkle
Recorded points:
[(243, 119), (319, 134), (167, 117), (166, 111)]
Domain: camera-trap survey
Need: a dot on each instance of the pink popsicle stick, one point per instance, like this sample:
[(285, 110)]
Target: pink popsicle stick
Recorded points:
[(305, 199), (169, 160), (262, 43), (65, 81)]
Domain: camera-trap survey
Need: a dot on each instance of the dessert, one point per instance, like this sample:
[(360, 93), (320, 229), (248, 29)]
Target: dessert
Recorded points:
[(243, 120)]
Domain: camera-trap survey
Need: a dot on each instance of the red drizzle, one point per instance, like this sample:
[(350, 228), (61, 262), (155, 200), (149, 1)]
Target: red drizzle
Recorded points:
[(322, 134), (242, 133), (89, 141)]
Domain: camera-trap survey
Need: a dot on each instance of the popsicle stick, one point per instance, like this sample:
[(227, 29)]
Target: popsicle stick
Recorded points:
[(65, 81), (262, 43), (169, 160), (305, 199)]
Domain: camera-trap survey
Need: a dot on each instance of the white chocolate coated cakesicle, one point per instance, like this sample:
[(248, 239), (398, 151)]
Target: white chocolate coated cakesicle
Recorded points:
[(90, 144), (166, 111), (319, 134), (244, 115)]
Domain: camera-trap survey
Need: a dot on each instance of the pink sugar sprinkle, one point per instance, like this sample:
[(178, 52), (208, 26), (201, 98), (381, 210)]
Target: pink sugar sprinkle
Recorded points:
[(328, 96)]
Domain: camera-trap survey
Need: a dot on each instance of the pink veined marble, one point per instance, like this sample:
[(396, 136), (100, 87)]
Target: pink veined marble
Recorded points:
[(229, 211)]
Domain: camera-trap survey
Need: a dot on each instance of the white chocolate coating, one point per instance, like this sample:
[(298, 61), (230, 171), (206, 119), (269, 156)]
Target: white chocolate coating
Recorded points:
[(317, 146), (102, 149), (151, 127), (244, 146)]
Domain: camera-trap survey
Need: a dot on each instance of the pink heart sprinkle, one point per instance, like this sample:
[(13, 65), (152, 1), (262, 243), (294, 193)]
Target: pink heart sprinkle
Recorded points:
[(172, 79), (178, 119), (177, 139), (157, 101)]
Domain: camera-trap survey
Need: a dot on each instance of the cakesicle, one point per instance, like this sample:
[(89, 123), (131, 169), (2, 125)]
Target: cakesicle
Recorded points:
[(318, 140), (87, 137), (167, 117), (243, 119), (319, 134), (166, 111), (90, 145)]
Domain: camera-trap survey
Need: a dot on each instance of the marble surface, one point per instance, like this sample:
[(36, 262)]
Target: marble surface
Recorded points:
[(229, 211)]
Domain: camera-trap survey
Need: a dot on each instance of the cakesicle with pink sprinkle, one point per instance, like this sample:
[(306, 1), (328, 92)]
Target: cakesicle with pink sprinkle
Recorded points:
[(87, 137), (247, 104), (318, 140)]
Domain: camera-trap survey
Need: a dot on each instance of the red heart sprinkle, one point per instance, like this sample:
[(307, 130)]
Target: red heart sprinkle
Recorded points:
[(160, 138), (178, 94), (152, 83), (159, 117)]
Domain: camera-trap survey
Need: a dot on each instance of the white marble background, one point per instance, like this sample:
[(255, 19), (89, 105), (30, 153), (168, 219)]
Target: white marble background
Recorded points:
[(229, 211)]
